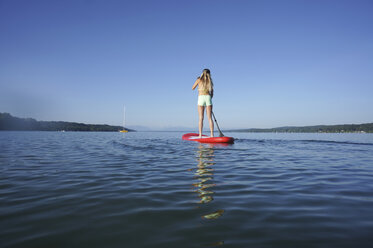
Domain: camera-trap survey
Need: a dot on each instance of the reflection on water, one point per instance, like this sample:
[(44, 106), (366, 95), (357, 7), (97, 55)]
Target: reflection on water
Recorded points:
[(214, 215), (205, 175)]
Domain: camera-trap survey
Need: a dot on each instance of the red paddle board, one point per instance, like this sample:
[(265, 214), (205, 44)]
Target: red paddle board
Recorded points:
[(207, 139)]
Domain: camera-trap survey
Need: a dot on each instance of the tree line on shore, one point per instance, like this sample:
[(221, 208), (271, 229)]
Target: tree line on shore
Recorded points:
[(345, 128), (9, 122)]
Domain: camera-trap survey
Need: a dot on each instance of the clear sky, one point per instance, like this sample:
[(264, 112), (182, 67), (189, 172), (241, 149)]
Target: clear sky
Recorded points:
[(274, 63)]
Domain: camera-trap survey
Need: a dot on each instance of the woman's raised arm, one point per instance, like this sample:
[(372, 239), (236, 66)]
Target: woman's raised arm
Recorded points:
[(195, 84)]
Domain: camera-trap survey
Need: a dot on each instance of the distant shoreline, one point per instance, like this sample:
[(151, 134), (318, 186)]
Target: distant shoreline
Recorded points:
[(155, 131), (344, 128), (11, 123)]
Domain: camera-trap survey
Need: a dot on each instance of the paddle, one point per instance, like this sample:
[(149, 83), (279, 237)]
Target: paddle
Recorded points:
[(220, 132)]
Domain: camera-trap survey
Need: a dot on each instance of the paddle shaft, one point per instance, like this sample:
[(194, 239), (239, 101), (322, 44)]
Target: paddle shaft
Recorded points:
[(217, 125)]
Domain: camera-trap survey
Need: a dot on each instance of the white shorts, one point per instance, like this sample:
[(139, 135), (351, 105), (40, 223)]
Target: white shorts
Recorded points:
[(204, 100)]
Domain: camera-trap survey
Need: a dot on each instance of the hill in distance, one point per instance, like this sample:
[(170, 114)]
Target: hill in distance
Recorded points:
[(9, 122), (345, 128)]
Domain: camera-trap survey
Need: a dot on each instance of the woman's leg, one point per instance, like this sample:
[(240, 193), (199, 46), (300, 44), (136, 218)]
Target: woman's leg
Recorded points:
[(208, 112), (201, 110)]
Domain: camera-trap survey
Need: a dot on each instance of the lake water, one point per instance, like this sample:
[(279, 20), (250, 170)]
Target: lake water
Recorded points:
[(152, 189)]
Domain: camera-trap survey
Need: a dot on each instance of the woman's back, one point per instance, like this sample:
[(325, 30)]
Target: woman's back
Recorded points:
[(204, 88), (205, 85)]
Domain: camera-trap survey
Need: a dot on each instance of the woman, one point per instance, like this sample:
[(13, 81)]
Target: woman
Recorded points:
[(205, 94)]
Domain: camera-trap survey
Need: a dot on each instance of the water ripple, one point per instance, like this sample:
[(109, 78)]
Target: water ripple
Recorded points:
[(156, 190)]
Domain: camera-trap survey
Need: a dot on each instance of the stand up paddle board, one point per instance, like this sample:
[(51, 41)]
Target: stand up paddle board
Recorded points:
[(206, 139)]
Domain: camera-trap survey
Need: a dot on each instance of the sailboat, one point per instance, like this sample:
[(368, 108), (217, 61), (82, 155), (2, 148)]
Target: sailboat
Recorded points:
[(124, 121)]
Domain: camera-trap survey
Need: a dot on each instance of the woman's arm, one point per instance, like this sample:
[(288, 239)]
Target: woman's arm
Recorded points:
[(195, 84)]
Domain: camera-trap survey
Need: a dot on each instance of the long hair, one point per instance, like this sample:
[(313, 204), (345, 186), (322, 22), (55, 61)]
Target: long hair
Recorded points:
[(206, 81)]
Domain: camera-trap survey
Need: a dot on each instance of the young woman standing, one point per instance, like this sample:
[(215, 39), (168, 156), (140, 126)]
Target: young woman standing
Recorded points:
[(205, 94)]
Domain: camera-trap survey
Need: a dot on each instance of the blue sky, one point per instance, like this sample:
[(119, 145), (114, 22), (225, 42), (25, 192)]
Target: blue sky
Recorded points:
[(274, 63)]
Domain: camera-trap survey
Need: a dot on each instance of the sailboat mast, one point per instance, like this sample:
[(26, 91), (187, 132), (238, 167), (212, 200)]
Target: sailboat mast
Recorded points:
[(124, 116)]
